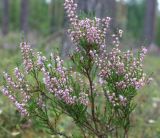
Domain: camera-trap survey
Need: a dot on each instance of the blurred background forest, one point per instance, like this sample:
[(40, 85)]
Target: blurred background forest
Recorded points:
[(43, 23)]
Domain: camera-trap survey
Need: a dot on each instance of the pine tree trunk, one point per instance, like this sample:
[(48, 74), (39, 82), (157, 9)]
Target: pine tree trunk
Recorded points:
[(56, 15), (24, 16), (149, 24), (82, 5), (101, 8), (5, 20)]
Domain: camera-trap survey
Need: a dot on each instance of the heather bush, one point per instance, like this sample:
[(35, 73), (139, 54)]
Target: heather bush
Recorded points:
[(96, 90)]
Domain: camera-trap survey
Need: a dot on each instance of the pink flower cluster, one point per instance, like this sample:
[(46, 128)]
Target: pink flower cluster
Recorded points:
[(55, 78), (20, 86), (122, 65), (26, 54), (20, 106), (91, 30), (121, 70), (59, 83), (116, 101), (71, 8)]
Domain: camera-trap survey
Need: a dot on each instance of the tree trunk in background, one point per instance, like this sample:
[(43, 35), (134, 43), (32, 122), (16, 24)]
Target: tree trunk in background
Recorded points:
[(109, 6), (101, 8), (149, 23), (82, 5), (5, 20), (56, 15), (24, 16), (67, 46)]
